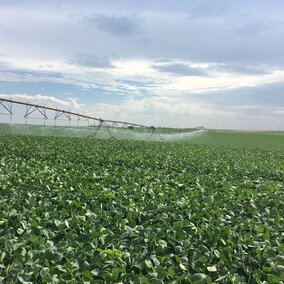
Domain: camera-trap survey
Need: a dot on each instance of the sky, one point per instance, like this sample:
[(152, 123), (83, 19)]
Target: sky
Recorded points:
[(174, 63)]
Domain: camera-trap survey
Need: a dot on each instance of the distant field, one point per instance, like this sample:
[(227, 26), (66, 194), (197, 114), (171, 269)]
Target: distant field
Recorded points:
[(266, 140)]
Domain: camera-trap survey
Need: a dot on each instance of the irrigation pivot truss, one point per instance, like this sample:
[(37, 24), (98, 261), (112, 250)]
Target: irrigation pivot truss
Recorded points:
[(47, 113), (7, 105)]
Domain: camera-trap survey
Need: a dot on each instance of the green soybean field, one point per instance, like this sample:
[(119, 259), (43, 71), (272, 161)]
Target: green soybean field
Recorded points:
[(79, 210)]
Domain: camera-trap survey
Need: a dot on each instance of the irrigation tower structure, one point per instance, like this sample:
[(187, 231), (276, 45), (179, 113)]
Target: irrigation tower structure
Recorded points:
[(7, 106)]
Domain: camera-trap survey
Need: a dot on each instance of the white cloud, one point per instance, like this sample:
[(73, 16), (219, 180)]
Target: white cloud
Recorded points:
[(139, 70), (220, 81), (279, 111), (69, 104), (161, 111)]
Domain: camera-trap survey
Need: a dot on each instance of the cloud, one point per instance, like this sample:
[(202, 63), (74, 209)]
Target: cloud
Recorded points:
[(10, 72), (115, 24), (218, 82), (186, 111), (142, 77), (267, 96), (91, 60), (69, 104), (279, 111), (160, 111), (173, 30), (243, 25), (180, 69), (240, 68)]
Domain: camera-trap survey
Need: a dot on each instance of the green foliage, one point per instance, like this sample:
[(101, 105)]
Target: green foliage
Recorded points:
[(101, 211)]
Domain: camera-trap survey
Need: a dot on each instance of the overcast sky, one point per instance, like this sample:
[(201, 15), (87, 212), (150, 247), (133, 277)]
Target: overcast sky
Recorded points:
[(178, 63)]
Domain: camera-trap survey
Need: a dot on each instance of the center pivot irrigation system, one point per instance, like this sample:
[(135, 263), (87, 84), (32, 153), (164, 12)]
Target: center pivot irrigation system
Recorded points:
[(96, 123)]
